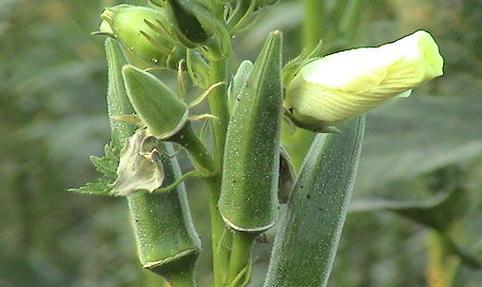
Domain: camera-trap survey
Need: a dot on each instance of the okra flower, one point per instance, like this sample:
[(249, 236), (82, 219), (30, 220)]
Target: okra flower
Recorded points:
[(348, 83)]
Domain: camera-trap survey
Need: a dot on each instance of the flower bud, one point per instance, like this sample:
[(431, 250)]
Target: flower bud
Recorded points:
[(262, 3), (188, 28), (144, 32), (194, 25), (155, 104), (348, 83)]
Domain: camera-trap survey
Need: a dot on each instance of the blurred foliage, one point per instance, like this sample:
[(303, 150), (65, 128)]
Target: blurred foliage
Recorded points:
[(52, 117)]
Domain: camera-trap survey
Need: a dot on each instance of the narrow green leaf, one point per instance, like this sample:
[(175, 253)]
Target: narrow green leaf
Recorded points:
[(437, 212), (305, 247), (414, 136)]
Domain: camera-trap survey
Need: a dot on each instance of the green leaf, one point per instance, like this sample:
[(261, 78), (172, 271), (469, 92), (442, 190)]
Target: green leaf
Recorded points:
[(101, 186), (107, 167), (413, 136), (437, 212), (410, 138), (107, 164), (305, 247)]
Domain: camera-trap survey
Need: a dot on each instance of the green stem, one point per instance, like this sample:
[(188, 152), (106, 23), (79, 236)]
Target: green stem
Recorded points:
[(298, 143), (182, 279), (240, 258), (219, 232), (220, 237), (198, 152), (219, 108), (313, 23), (441, 264), (203, 161), (241, 8)]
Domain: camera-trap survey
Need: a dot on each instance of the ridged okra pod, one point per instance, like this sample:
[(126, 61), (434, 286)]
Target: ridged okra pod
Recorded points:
[(166, 240), (305, 246), (248, 200)]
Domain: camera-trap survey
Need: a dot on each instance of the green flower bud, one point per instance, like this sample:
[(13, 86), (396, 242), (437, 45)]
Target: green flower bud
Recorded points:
[(188, 27), (195, 25), (345, 84), (155, 104), (144, 32), (262, 3), (249, 191)]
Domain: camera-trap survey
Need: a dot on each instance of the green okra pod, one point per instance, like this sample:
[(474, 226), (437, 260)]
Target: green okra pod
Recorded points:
[(167, 242), (117, 100), (248, 200), (305, 246)]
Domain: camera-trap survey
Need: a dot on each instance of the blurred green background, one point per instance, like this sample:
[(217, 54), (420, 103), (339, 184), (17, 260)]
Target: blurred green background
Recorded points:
[(52, 117)]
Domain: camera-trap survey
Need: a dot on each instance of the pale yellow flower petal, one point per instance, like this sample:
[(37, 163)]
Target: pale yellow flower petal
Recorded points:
[(348, 83)]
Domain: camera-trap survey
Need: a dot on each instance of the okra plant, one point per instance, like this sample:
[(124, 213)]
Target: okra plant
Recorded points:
[(243, 162)]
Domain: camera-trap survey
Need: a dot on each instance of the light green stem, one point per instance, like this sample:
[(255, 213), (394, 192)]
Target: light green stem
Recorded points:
[(180, 279), (212, 166), (219, 108), (220, 238), (298, 143), (240, 258), (441, 264), (313, 23), (198, 152), (219, 232)]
